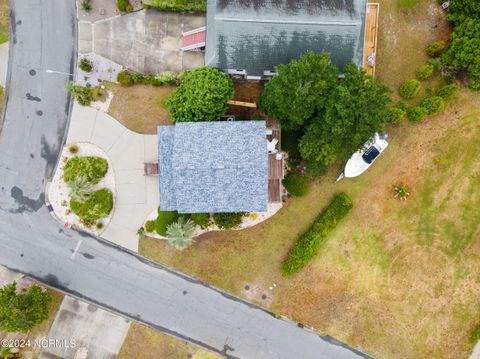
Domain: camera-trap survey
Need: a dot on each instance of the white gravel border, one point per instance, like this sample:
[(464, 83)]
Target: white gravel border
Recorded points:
[(251, 220), (58, 189)]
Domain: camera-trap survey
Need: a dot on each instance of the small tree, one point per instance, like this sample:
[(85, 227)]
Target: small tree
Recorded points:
[(424, 71), (21, 312), (434, 105), (83, 94), (79, 188), (299, 90), (410, 89), (202, 96), (447, 91), (180, 233), (416, 114), (435, 48), (395, 115)]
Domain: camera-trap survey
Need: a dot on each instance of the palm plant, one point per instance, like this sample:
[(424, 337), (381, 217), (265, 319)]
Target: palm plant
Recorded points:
[(79, 188), (401, 192), (180, 233)]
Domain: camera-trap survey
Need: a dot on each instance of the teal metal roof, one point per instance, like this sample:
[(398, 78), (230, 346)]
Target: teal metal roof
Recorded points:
[(257, 35)]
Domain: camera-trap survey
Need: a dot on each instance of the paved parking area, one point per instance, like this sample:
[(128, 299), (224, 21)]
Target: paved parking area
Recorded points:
[(97, 334), (136, 195), (147, 41)]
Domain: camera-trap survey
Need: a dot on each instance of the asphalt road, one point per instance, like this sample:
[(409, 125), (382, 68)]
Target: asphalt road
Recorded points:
[(37, 108)]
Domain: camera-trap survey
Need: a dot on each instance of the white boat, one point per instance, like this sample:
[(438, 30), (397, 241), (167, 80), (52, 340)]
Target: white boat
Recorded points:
[(364, 158)]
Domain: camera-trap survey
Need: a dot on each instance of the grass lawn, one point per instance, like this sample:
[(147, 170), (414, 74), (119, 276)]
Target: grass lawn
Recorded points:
[(143, 342), (4, 21), (141, 108), (400, 279)]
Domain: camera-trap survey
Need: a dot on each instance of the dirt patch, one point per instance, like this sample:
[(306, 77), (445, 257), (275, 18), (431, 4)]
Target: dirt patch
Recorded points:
[(141, 108)]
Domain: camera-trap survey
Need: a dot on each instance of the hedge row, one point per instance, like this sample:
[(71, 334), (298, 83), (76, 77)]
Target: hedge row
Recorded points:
[(178, 5), (308, 244)]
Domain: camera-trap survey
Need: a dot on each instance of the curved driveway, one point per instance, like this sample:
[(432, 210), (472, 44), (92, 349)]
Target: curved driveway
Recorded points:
[(43, 37)]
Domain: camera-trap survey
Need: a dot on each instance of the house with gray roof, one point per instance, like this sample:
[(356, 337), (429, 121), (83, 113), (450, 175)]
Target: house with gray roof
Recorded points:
[(251, 37), (219, 166)]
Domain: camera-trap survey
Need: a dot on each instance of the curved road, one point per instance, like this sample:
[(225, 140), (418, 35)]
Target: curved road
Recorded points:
[(43, 36)]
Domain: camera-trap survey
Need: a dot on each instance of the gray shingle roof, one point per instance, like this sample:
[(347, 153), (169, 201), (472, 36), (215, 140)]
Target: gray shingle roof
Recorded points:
[(213, 167), (257, 35)]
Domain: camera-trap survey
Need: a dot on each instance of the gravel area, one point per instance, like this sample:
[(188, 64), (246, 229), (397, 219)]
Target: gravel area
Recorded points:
[(103, 70), (58, 189)]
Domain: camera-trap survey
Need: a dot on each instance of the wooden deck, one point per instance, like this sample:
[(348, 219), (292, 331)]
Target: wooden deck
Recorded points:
[(275, 170), (371, 31)]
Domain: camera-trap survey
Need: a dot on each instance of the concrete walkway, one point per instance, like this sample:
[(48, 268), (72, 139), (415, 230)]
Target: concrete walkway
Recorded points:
[(3, 63), (93, 332), (136, 195)]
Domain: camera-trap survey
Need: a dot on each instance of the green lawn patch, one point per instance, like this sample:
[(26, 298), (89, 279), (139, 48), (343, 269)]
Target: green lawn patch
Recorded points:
[(308, 244), (407, 4), (98, 205)]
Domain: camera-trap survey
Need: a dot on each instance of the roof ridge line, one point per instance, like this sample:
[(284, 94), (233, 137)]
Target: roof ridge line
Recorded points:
[(298, 22)]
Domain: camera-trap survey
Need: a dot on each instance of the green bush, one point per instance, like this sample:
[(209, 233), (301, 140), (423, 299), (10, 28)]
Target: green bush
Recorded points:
[(228, 220), (129, 8), (296, 184), (416, 114), (447, 91), (73, 149), (395, 115), (124, 78), (163, 220), (475, 336), (424, 71), (122, 5), (83, 94), (410, 89), (136, 78), (201, 219), (178, 5), (86, 65), (150, 226), (309, 243), (166, 78), (435, 48), (434, 105), (98, 205), (91, 167), (315, 170)]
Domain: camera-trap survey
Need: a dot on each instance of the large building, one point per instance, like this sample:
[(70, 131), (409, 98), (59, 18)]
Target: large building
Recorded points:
[(251, 37)]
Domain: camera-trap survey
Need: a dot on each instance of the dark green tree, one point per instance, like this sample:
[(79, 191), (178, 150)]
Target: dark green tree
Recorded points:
[(202, 96), (298, 92), (460, 10), (21, 312), (354, 111), (464, 50)]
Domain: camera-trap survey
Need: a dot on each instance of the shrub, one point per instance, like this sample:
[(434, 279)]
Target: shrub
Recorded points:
[(177, 5), (73, 149), (163, 220), (395, 115), (122, 5), (150, 226), (447, 91), (475, 336), (99, 225), (402, 192), (201, 219), (86, 65), (166, 78), (86, 5), (91, 167), (180, 233), (124, 78), (79, 188), (424, 71), (315, 170), (83, 94), (410, 89), (136, 78), (434, 105), (296, 184), (435, 48), (202, 96), (416, 114), (129, 8), (309, 243), (228, 220), (98, 205)]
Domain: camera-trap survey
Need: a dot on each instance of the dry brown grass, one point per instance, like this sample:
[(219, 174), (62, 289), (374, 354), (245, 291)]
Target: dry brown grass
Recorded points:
[(143, 342), (141, 108), (4, 21), (398, 278)]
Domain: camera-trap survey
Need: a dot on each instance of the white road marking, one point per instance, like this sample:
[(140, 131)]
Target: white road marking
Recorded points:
[(76, 249)]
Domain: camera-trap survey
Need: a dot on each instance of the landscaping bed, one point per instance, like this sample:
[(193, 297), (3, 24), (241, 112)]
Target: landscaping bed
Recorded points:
[(93, 209)]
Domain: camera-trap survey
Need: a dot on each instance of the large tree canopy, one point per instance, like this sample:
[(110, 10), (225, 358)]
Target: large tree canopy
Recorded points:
[(354, 110), (21, 312), (464, 50), (298, 92), (202, 96), (460, 10)]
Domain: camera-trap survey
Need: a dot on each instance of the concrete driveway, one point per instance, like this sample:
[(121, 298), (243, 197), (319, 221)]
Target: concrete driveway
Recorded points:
[(147, 41), (136, 195), (95, 333)]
